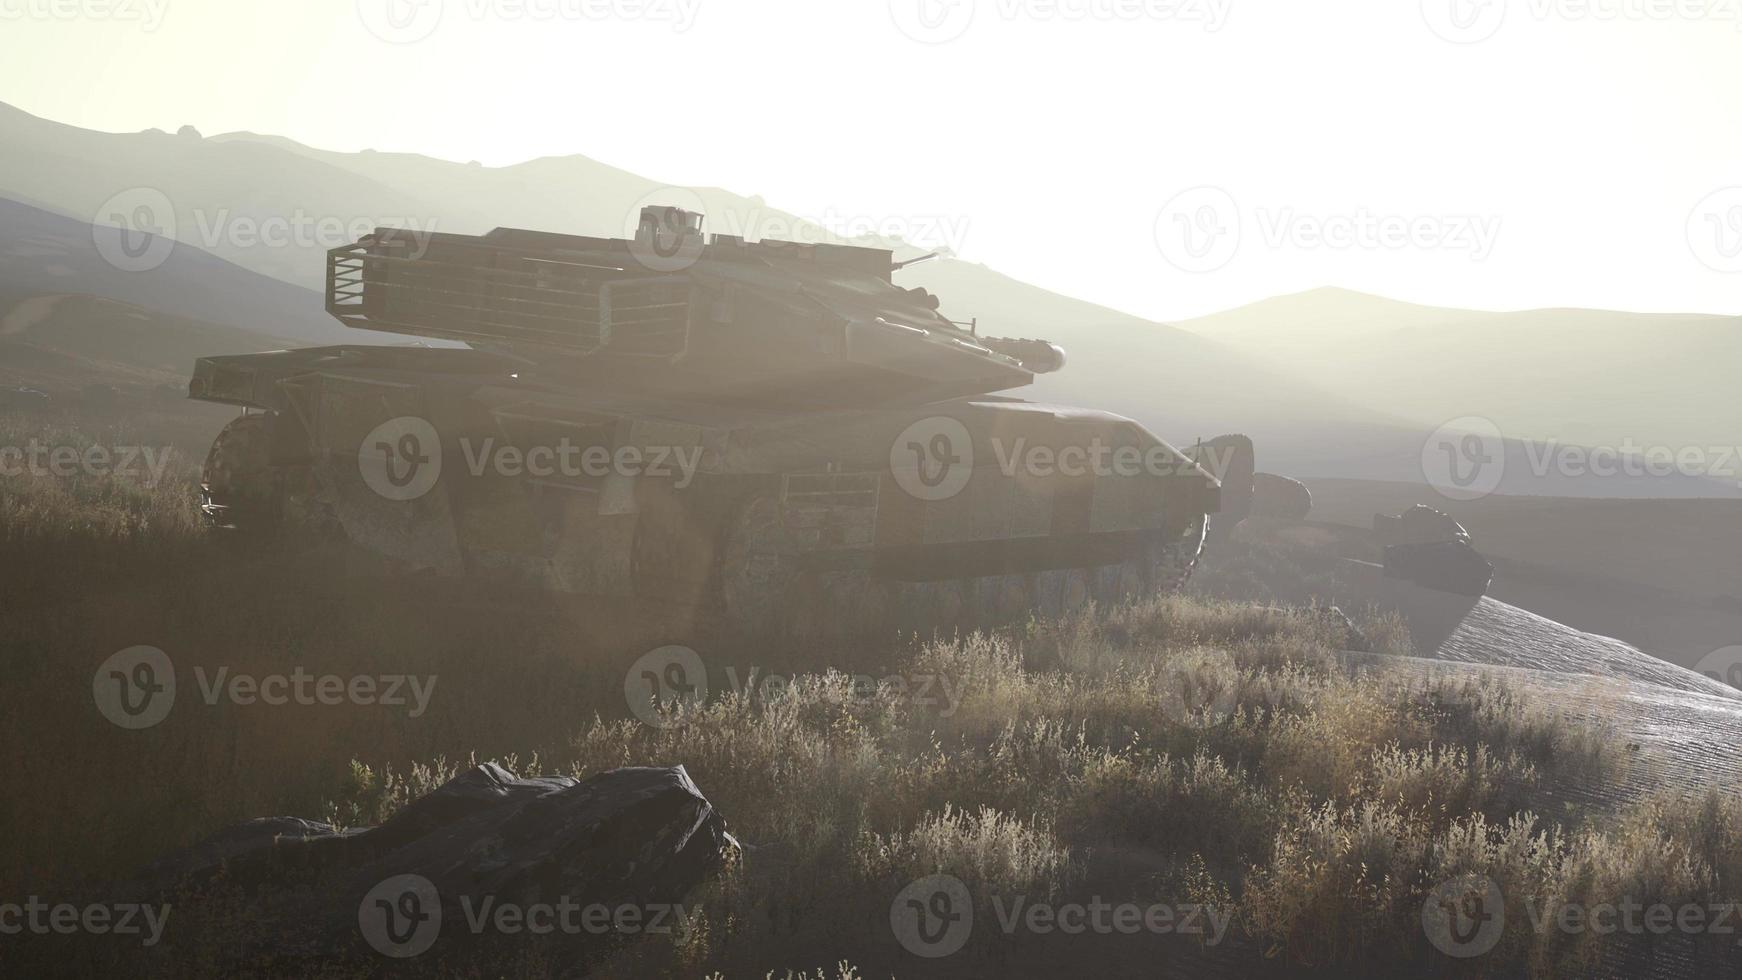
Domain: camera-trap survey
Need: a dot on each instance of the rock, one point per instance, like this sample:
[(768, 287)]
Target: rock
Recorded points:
[(1280, 497), (1447, 566), (325, 899)]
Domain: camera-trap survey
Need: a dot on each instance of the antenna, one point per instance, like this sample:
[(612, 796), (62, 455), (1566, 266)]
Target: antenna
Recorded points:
[(898, 266)]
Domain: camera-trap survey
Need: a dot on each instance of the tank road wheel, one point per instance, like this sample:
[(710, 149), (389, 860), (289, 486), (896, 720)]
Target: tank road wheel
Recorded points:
[(243, 492), (240, 490)]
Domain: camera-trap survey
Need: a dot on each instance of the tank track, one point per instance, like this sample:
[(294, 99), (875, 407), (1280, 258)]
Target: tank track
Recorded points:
[(826, 605), (738, 569)]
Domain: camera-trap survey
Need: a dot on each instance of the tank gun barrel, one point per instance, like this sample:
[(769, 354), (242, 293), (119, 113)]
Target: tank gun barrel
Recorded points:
[(1038, 356)]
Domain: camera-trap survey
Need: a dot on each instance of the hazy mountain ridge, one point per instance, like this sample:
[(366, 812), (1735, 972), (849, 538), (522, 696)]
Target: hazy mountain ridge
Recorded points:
[(1572, 376), (1337, 415), (43, 253)]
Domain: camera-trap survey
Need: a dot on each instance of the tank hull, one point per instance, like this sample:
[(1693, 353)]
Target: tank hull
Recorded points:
[(943, 515)]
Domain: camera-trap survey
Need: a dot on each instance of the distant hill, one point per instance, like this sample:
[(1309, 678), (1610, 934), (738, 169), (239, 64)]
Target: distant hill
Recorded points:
[(63, 342), (47, 254), (1580, 377)]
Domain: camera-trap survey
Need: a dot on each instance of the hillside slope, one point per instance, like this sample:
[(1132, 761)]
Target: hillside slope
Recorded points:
[(1579, 377), (47, 254)]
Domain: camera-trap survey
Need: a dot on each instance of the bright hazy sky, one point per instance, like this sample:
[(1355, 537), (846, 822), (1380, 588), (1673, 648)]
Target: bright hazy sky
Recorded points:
[(1168, 157)]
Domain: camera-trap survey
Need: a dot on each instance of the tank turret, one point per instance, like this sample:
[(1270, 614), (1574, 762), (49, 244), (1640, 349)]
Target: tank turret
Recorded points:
[(676, 310)]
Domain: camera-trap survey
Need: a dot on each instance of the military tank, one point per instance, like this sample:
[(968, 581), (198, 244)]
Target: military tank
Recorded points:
[(770, 433)]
